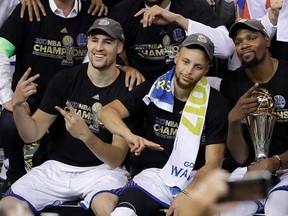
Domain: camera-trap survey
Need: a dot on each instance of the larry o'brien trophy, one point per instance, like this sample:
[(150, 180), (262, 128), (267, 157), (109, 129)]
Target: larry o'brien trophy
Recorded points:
[(261, 123)]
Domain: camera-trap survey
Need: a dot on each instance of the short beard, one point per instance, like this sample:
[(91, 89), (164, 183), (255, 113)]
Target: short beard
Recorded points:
[(183, 86), (254, 62)]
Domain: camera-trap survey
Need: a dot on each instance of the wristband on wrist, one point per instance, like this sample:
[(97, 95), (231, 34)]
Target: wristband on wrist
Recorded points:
[(119, 66), (186, 193), (280, 161)]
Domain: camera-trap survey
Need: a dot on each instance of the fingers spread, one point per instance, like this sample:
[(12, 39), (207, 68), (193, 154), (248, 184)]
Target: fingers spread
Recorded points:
[(40, 5), (63, 112), (91, 7), (36, 11), (103, 11), (26, 74), (23, 8)]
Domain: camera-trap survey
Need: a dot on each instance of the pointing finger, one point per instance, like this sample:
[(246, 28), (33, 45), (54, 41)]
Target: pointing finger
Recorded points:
[(61, 111), (249, 91)]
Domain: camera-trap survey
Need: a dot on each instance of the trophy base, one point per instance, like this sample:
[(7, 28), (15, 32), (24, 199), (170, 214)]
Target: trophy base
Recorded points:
[(260, 157)]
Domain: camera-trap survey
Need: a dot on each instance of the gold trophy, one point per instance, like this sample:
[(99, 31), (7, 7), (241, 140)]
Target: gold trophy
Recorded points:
[(261, 123)]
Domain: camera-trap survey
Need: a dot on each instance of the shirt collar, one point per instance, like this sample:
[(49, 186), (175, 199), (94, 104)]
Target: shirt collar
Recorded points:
[(74, 12)]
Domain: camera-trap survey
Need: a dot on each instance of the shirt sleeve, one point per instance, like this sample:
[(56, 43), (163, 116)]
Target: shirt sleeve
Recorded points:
[(270, 28), (5, 79), (224, 46)]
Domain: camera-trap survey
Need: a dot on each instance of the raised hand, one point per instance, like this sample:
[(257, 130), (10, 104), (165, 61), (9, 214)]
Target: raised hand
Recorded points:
[(156, 15), (276, 4), (33, 8), (132, 77), (25, 88), (244, 106), (74, 123), (97, 7), (138, 143)]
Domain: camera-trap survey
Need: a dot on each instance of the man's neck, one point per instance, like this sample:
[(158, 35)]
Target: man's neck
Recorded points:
[(262, 73), (102, 78), (165, 4), (65, 5), (180, 93)]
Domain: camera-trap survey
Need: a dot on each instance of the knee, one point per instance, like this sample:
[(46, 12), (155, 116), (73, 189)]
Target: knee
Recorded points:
[(13, 206), (276, 204), (245, 208), (104, 204)]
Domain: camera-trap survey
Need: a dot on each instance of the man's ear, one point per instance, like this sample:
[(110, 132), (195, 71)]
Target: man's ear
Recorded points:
[(208, 67), (267, 41), (120, 47), (176, 57)]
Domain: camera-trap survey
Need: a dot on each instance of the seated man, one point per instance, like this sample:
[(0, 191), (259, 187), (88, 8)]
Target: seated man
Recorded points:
[(186, 117), (84, 159), (258, 69)]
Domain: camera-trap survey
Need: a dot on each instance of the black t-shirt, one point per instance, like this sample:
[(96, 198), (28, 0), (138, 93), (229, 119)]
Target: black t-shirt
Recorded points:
[(152, 50), (236, 83), (74, 85), (48, 46), (161, 126)]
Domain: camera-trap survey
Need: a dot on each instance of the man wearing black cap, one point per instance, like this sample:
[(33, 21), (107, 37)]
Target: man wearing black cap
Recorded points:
[(258, 69), (84, 159), (181, 110), (55, 43)]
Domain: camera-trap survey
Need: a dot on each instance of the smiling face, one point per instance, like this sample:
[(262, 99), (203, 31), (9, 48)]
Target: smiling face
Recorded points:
[(191, 65), (103, 50), (251, 47)]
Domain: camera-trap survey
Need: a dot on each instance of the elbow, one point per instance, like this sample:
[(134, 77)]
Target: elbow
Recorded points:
[(104, 113), (238, 157), (116, 161), (114, 164), (230, 50), (240, 160), (27, 140), (26, 136), (224, 45), (227, 52)]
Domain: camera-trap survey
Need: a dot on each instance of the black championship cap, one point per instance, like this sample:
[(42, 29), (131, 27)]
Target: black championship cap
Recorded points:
[(109, 26), (201, 40), (253, 24)]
